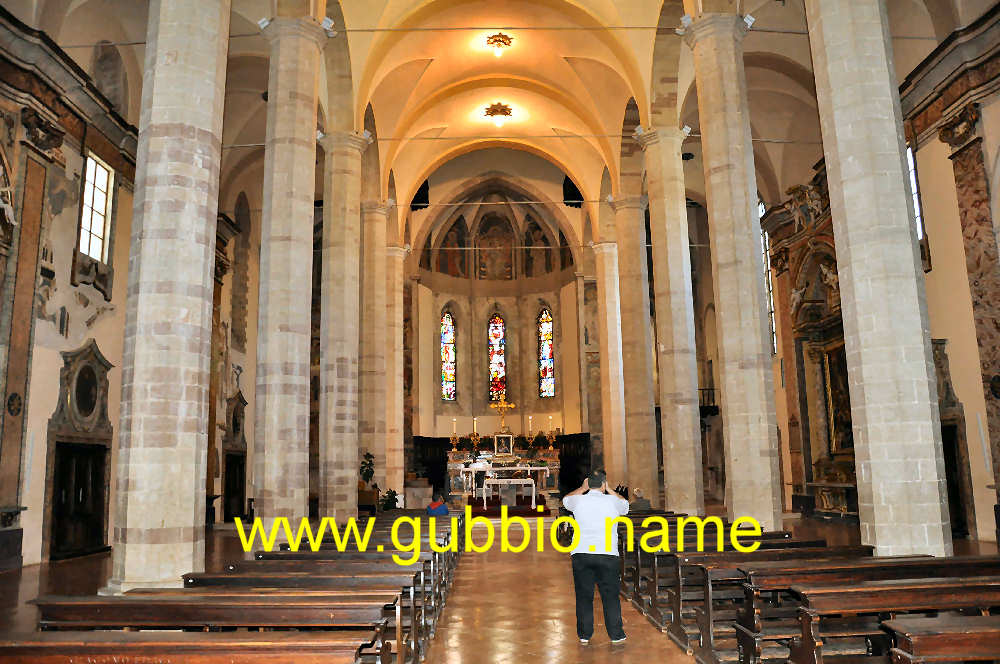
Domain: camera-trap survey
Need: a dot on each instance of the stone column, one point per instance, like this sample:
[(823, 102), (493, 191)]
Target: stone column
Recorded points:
[(281, 409), (581, 324), (372, 379), (902, 496), (982, 262), (340, 325), (753, 486), (612, 373), (637, 346), (674, 299), (822, 425), (394, 475), (159, 520)]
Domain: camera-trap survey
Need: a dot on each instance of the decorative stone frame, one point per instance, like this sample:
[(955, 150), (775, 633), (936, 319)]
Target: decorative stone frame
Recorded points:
[(69, 424)]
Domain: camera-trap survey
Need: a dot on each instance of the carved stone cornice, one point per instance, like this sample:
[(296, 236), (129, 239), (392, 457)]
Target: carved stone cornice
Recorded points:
[(35, 66), (779, 261), (225, 230), (965, 67), (961, 128), (43, 134)]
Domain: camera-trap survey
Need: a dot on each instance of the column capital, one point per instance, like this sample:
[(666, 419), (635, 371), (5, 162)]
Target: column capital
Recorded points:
[(627, 202), (305, 27), (605, 247), (711, 25), (377, 207), (392, 251), (355, 140), (653, 135)]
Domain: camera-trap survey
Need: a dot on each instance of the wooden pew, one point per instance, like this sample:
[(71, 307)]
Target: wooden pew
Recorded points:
[(944, 639), (867, 600), (761, 622), (423, 615), (199, 648), (221, 607), (720, 578), (663, 591)]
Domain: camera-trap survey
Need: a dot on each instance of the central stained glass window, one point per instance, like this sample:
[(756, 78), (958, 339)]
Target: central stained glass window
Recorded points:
[(498, 358)]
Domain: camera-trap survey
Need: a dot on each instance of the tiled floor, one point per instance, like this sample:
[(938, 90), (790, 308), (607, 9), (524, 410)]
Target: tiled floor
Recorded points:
[(508, 608)]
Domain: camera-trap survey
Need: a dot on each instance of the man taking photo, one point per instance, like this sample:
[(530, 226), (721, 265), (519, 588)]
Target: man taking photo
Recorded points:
[(593, 563)]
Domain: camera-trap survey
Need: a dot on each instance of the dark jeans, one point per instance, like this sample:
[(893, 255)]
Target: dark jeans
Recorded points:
[(600, 569)]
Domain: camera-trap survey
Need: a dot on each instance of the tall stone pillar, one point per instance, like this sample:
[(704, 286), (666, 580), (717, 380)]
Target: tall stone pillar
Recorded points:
[(753, 484), (281, 432), (395, 258), (372, 379), (674, 298), (902, 496), (612, 372), (160, 475), (340, 325), (581, 325), (637, 346)]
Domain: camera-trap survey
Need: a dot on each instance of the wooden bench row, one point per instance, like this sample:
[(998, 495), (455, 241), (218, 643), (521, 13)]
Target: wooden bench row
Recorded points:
[(340, 606)]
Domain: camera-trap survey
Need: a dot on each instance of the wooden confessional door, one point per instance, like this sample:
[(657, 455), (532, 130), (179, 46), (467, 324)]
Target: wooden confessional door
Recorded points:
[(234, 492), (78, 500)]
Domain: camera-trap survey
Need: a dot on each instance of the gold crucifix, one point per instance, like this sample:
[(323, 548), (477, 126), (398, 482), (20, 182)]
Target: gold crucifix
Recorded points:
[(502, 407)]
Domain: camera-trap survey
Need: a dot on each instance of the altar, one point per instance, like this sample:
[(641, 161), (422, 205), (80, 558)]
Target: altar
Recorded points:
[(501, 468)]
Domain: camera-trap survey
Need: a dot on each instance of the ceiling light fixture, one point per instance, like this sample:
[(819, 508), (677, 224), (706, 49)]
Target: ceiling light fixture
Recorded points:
[(499, 113), (499, 42)]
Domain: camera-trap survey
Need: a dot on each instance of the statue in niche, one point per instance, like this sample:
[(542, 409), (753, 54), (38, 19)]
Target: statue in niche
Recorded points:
[(496, 247), (795, 301), (537, 257), (828, 275)]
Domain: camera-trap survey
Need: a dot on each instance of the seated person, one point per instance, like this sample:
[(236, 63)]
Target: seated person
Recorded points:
[(438, 507), (639, 501)]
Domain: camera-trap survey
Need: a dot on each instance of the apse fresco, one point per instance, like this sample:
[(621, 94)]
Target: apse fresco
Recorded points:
[(448, 383), (498, 358), (546, 360)]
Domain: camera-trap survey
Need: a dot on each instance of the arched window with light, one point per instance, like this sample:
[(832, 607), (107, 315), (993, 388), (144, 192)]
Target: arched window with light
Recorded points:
[(497, 347), (546, 357), (449, 385)]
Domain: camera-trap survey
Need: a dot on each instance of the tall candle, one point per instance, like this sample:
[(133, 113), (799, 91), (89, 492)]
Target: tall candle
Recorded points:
[(529, 423), (550, 423), (474, 421), (454, 425)]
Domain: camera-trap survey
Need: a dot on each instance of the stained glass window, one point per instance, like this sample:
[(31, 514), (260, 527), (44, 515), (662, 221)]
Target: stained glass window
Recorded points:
[(498, 358), (448, 384), (546, 360)]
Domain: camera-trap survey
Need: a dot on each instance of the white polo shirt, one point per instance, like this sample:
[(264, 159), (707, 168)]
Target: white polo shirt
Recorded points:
[(592, 510)]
